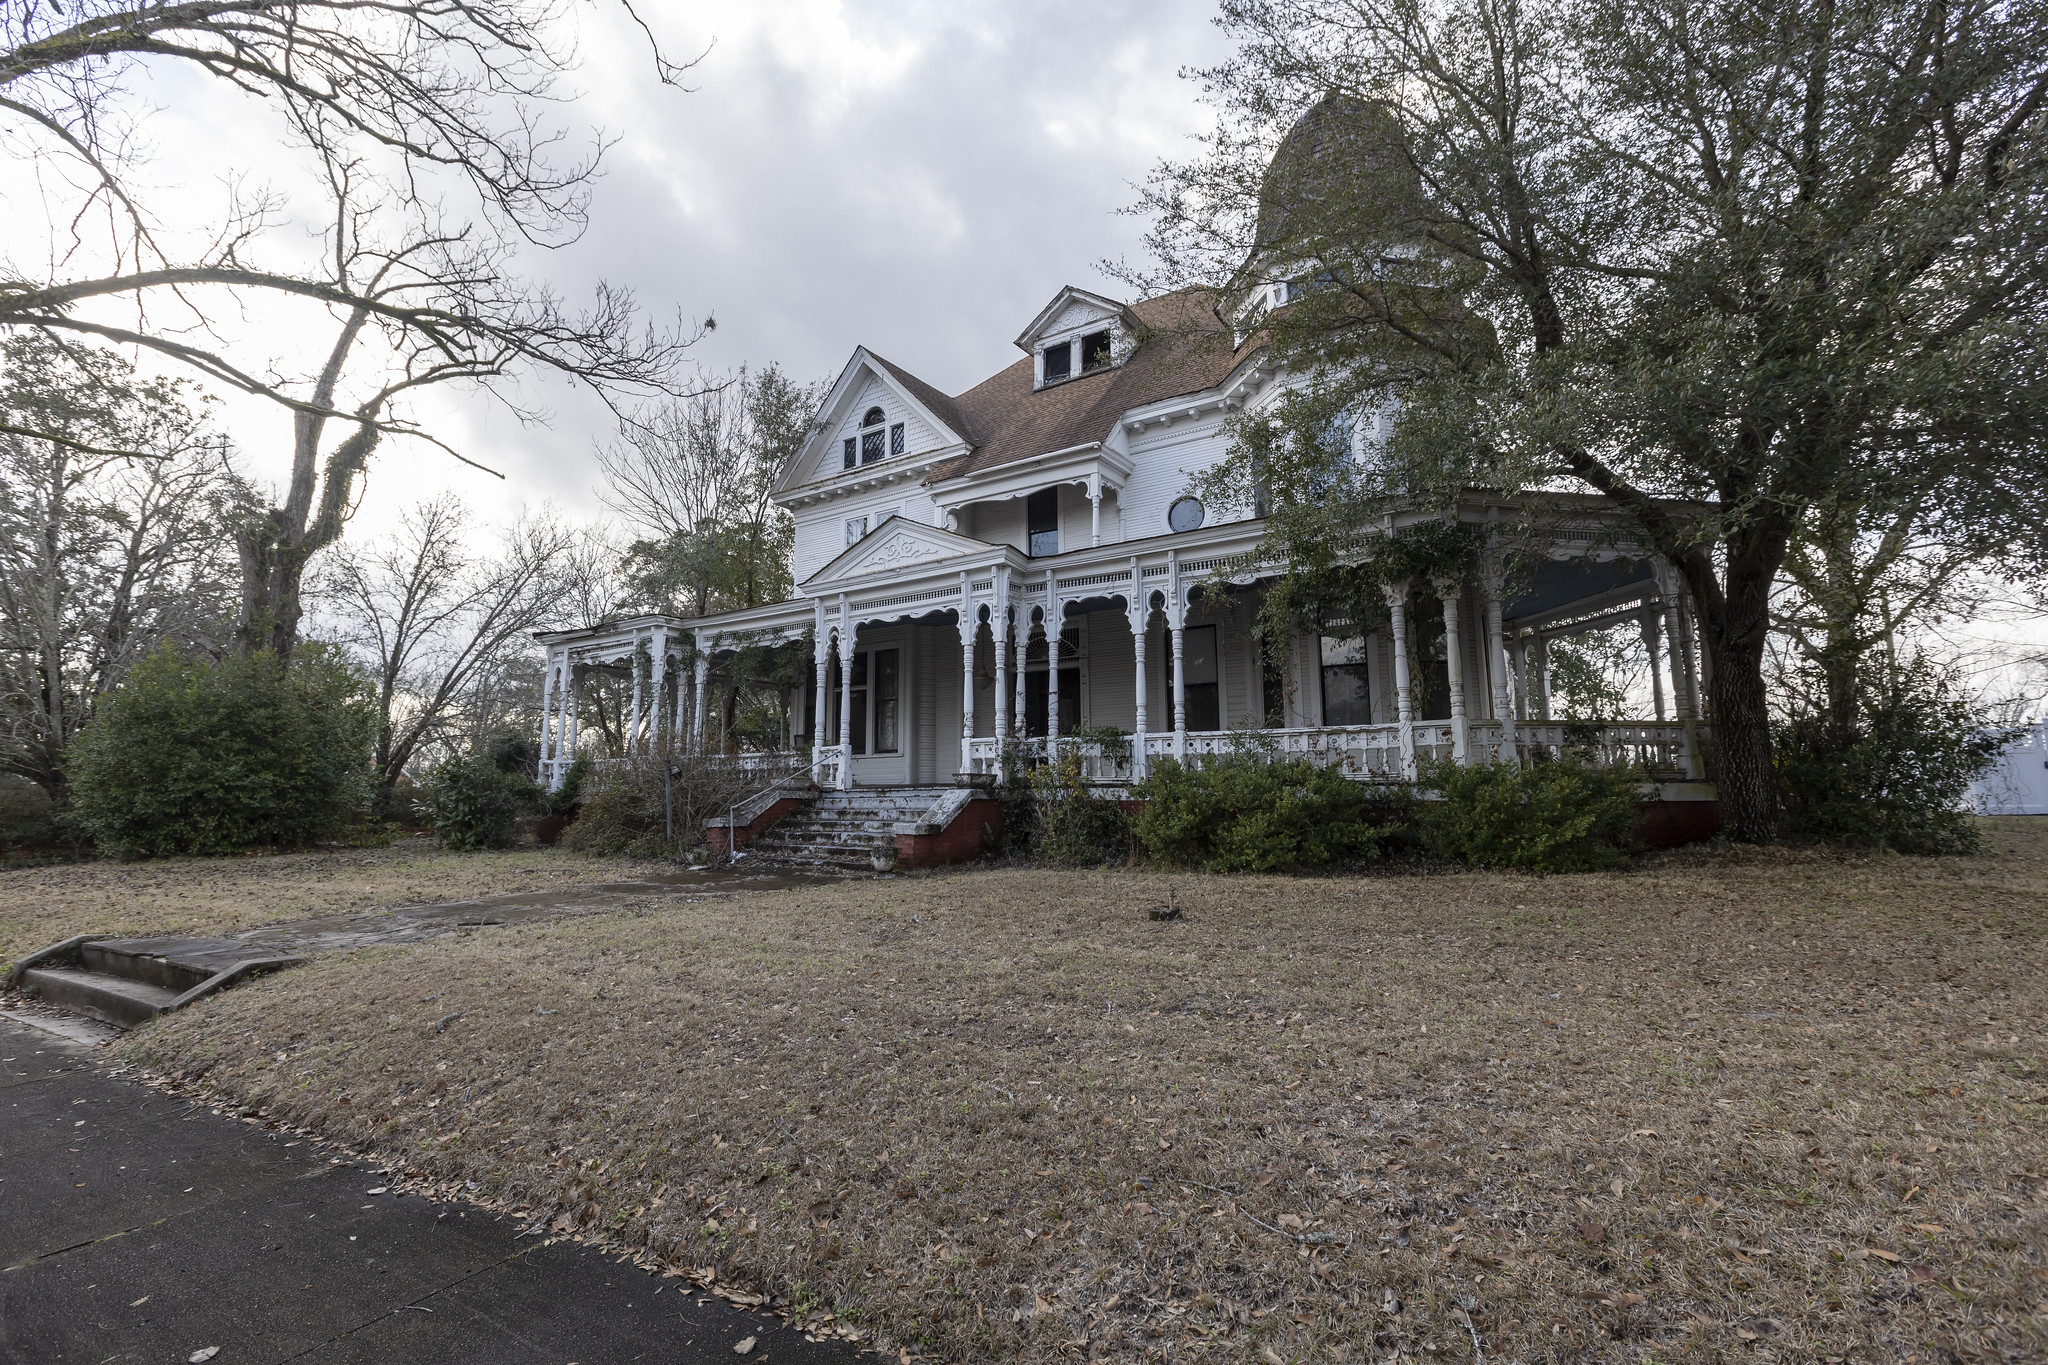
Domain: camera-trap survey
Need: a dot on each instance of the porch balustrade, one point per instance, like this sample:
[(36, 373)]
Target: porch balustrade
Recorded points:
[(1372, 753)]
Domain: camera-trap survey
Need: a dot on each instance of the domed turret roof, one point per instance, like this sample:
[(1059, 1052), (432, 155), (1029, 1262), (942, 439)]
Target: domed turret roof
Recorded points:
[(1344, 160)]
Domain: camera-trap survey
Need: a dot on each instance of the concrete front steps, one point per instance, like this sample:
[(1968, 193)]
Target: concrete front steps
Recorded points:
[(130, 981), (872, 829)]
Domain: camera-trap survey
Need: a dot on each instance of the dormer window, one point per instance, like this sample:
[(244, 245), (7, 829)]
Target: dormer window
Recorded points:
[(1059, 362), (1095, 352)]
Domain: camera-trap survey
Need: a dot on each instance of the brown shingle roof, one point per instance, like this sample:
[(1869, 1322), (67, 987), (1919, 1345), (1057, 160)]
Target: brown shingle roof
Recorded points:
[(1184, 348)]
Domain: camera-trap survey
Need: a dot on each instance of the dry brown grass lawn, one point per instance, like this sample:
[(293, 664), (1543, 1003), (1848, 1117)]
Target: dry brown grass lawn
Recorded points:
[(1751, 1106), (40, 905)]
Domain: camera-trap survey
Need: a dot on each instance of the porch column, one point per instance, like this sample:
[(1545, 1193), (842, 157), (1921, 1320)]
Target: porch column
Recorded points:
[(970, 627), (1684, 683), (547, 718), (1094, 509), (1451, 592), (999, 628), (1651, 632), (1140, 615), (845, 694), (700, 685), (575, 684), (1177, 627), (821, 664), (1525, 707), (1056, 630), (1498, 665), (659, 669), (1541, 647), (1404, 692), (633, 721), (1017, 682)]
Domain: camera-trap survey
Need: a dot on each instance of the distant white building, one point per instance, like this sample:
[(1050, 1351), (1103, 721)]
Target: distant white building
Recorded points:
[(2019, 784)]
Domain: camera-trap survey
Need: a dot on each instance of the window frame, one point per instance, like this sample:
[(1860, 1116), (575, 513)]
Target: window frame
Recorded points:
[(1033, 529)]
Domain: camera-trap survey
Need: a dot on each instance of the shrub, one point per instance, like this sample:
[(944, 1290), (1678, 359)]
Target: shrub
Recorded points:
[(1075, 827), (28, 818), (1899, 779), (472, 804), (190, 755), (1241, 812), (626, 809), (563, 799), (1551, 815)]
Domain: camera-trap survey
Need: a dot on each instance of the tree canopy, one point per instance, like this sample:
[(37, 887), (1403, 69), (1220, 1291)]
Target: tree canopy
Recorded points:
[(1723, 266)]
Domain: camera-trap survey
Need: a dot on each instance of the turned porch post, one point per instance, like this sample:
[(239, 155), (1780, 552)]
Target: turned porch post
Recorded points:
[(970, 628), (575, 684), (1177, 623), (1140, 616), (1541, 648), (633, 721), (1055, 631), (1404, 692), (1451, 592), (1649, 626), (701, 686), (999, 630), (821, 664), (845, 694), (548, 698), (1094, 509), (1017, 683), (1498, 664), (658, 674)]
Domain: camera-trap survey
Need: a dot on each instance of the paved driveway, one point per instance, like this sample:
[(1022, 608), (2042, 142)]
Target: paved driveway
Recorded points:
[(135, 1227)]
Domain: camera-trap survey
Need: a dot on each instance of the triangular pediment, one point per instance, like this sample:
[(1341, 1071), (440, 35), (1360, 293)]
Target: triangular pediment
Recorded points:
[(869, 382), (893, 546)]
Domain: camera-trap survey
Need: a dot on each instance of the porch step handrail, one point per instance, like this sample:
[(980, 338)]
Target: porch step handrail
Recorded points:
[(732, 808)]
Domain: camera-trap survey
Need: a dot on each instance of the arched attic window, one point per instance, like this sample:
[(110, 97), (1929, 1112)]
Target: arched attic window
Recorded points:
[(872, 425)]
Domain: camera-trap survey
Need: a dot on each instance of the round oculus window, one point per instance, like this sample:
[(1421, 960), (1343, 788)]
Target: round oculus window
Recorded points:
[(1185, 515)]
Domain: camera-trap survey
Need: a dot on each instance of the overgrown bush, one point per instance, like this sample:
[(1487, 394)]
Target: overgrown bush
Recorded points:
[(1243, 812), (28, 818), (627, 813), (472, 805), (1076, 827), (1550, 815), (1898, 779), (190, 755), (563, 799)]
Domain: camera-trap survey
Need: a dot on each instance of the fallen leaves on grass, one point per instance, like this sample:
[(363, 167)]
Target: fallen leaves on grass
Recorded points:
[(766, 1077)]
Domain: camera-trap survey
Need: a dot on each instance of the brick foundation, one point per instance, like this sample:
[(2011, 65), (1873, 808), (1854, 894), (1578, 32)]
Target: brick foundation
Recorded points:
[(963, 841), (715, 835), (1670, 824)]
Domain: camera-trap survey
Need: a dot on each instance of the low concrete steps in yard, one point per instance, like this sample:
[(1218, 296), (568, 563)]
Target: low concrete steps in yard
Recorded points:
[(852, 831), (129, 981)]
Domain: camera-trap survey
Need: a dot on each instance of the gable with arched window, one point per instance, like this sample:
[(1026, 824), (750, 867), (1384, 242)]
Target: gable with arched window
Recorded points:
[(877, 439)]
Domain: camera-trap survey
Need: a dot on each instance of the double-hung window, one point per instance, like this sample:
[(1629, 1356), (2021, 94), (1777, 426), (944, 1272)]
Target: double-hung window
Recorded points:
[(1347, 695), (856, 527), (1042, 522)]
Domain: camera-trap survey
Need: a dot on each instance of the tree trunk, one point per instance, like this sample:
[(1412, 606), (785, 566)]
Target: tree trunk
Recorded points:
[(1734, 637)]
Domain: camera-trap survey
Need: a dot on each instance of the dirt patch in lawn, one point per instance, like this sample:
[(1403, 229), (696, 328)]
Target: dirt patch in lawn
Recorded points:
[(40, 905), (1754, 1105)]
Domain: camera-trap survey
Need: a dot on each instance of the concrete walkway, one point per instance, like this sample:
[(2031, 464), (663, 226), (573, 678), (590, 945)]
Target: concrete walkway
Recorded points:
[(137, 1227)]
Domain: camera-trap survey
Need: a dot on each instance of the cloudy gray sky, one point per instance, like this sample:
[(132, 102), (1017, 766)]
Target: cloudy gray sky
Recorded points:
[(918, 178)]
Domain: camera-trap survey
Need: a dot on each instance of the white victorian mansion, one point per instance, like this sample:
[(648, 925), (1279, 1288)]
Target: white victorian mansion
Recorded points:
[(944, 542)]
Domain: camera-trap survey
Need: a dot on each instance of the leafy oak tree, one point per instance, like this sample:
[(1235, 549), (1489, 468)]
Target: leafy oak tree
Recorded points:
[(1723, 266)]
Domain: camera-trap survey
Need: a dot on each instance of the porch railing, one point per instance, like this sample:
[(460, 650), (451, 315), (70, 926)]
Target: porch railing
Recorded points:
[(766, 766), (1371, 753)]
